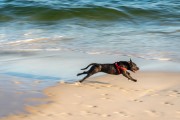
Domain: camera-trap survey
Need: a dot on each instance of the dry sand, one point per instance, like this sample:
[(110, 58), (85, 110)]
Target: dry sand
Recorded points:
[(156, 96)]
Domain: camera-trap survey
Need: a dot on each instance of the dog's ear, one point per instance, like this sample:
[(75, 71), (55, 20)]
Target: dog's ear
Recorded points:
[(130, 61)]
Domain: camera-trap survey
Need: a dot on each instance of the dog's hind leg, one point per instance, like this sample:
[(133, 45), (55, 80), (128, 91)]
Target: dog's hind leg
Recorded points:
[(85, 72), (93, 70), (88, 75)]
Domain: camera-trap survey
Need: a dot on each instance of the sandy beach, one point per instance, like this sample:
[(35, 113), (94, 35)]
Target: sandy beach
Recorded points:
[(155, 96)]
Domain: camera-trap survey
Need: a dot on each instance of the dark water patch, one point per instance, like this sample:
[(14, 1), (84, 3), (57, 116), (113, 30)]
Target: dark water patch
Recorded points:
[(140, 12), (5, 18), (96, 13), (151, 13)]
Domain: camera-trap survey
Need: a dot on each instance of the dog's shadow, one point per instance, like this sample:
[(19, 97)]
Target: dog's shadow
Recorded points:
[(98, 82)]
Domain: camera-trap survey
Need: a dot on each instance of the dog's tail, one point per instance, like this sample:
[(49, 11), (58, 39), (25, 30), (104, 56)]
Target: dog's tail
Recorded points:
[(89, 66)]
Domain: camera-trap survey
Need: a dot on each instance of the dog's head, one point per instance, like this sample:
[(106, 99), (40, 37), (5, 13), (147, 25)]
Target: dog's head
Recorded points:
[(133, 66)]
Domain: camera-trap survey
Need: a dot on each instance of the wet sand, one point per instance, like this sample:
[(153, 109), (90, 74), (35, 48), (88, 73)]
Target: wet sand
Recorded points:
[(155, 96), (17, 93)]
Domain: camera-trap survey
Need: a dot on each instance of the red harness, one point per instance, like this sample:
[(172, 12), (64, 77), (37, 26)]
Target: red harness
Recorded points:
[(120, 68)]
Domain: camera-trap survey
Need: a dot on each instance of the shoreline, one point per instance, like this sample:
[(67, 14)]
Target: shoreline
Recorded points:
[(154, 96)]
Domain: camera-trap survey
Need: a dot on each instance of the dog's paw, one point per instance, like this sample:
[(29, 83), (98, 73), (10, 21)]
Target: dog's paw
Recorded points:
[(77, 83), (134, 80)]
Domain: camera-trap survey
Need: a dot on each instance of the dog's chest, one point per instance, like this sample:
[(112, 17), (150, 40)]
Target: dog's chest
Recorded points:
[(109, 68)]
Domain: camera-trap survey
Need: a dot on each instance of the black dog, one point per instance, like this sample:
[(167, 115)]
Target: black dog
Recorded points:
[(117, 68)]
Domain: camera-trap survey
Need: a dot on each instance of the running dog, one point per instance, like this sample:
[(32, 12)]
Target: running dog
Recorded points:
[(116, 68)]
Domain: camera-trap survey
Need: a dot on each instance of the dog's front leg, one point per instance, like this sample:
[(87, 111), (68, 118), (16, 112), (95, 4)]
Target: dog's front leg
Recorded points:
[(127, 75)]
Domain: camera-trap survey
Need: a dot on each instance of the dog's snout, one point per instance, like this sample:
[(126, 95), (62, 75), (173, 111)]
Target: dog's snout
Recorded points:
[(137, 68)]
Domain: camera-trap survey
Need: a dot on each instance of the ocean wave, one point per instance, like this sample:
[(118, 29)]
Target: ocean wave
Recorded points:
[(92, 12), (49, 14)]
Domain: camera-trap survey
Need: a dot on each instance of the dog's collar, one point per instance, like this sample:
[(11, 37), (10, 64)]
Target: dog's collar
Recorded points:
[(120, 68)]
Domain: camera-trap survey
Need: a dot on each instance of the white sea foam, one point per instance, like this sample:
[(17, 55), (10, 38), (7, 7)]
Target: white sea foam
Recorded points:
[(37, 44), (25, 41), (54, 44), (34, 40), (163, 59), (94, 53), (142, 56), (2, 36)]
